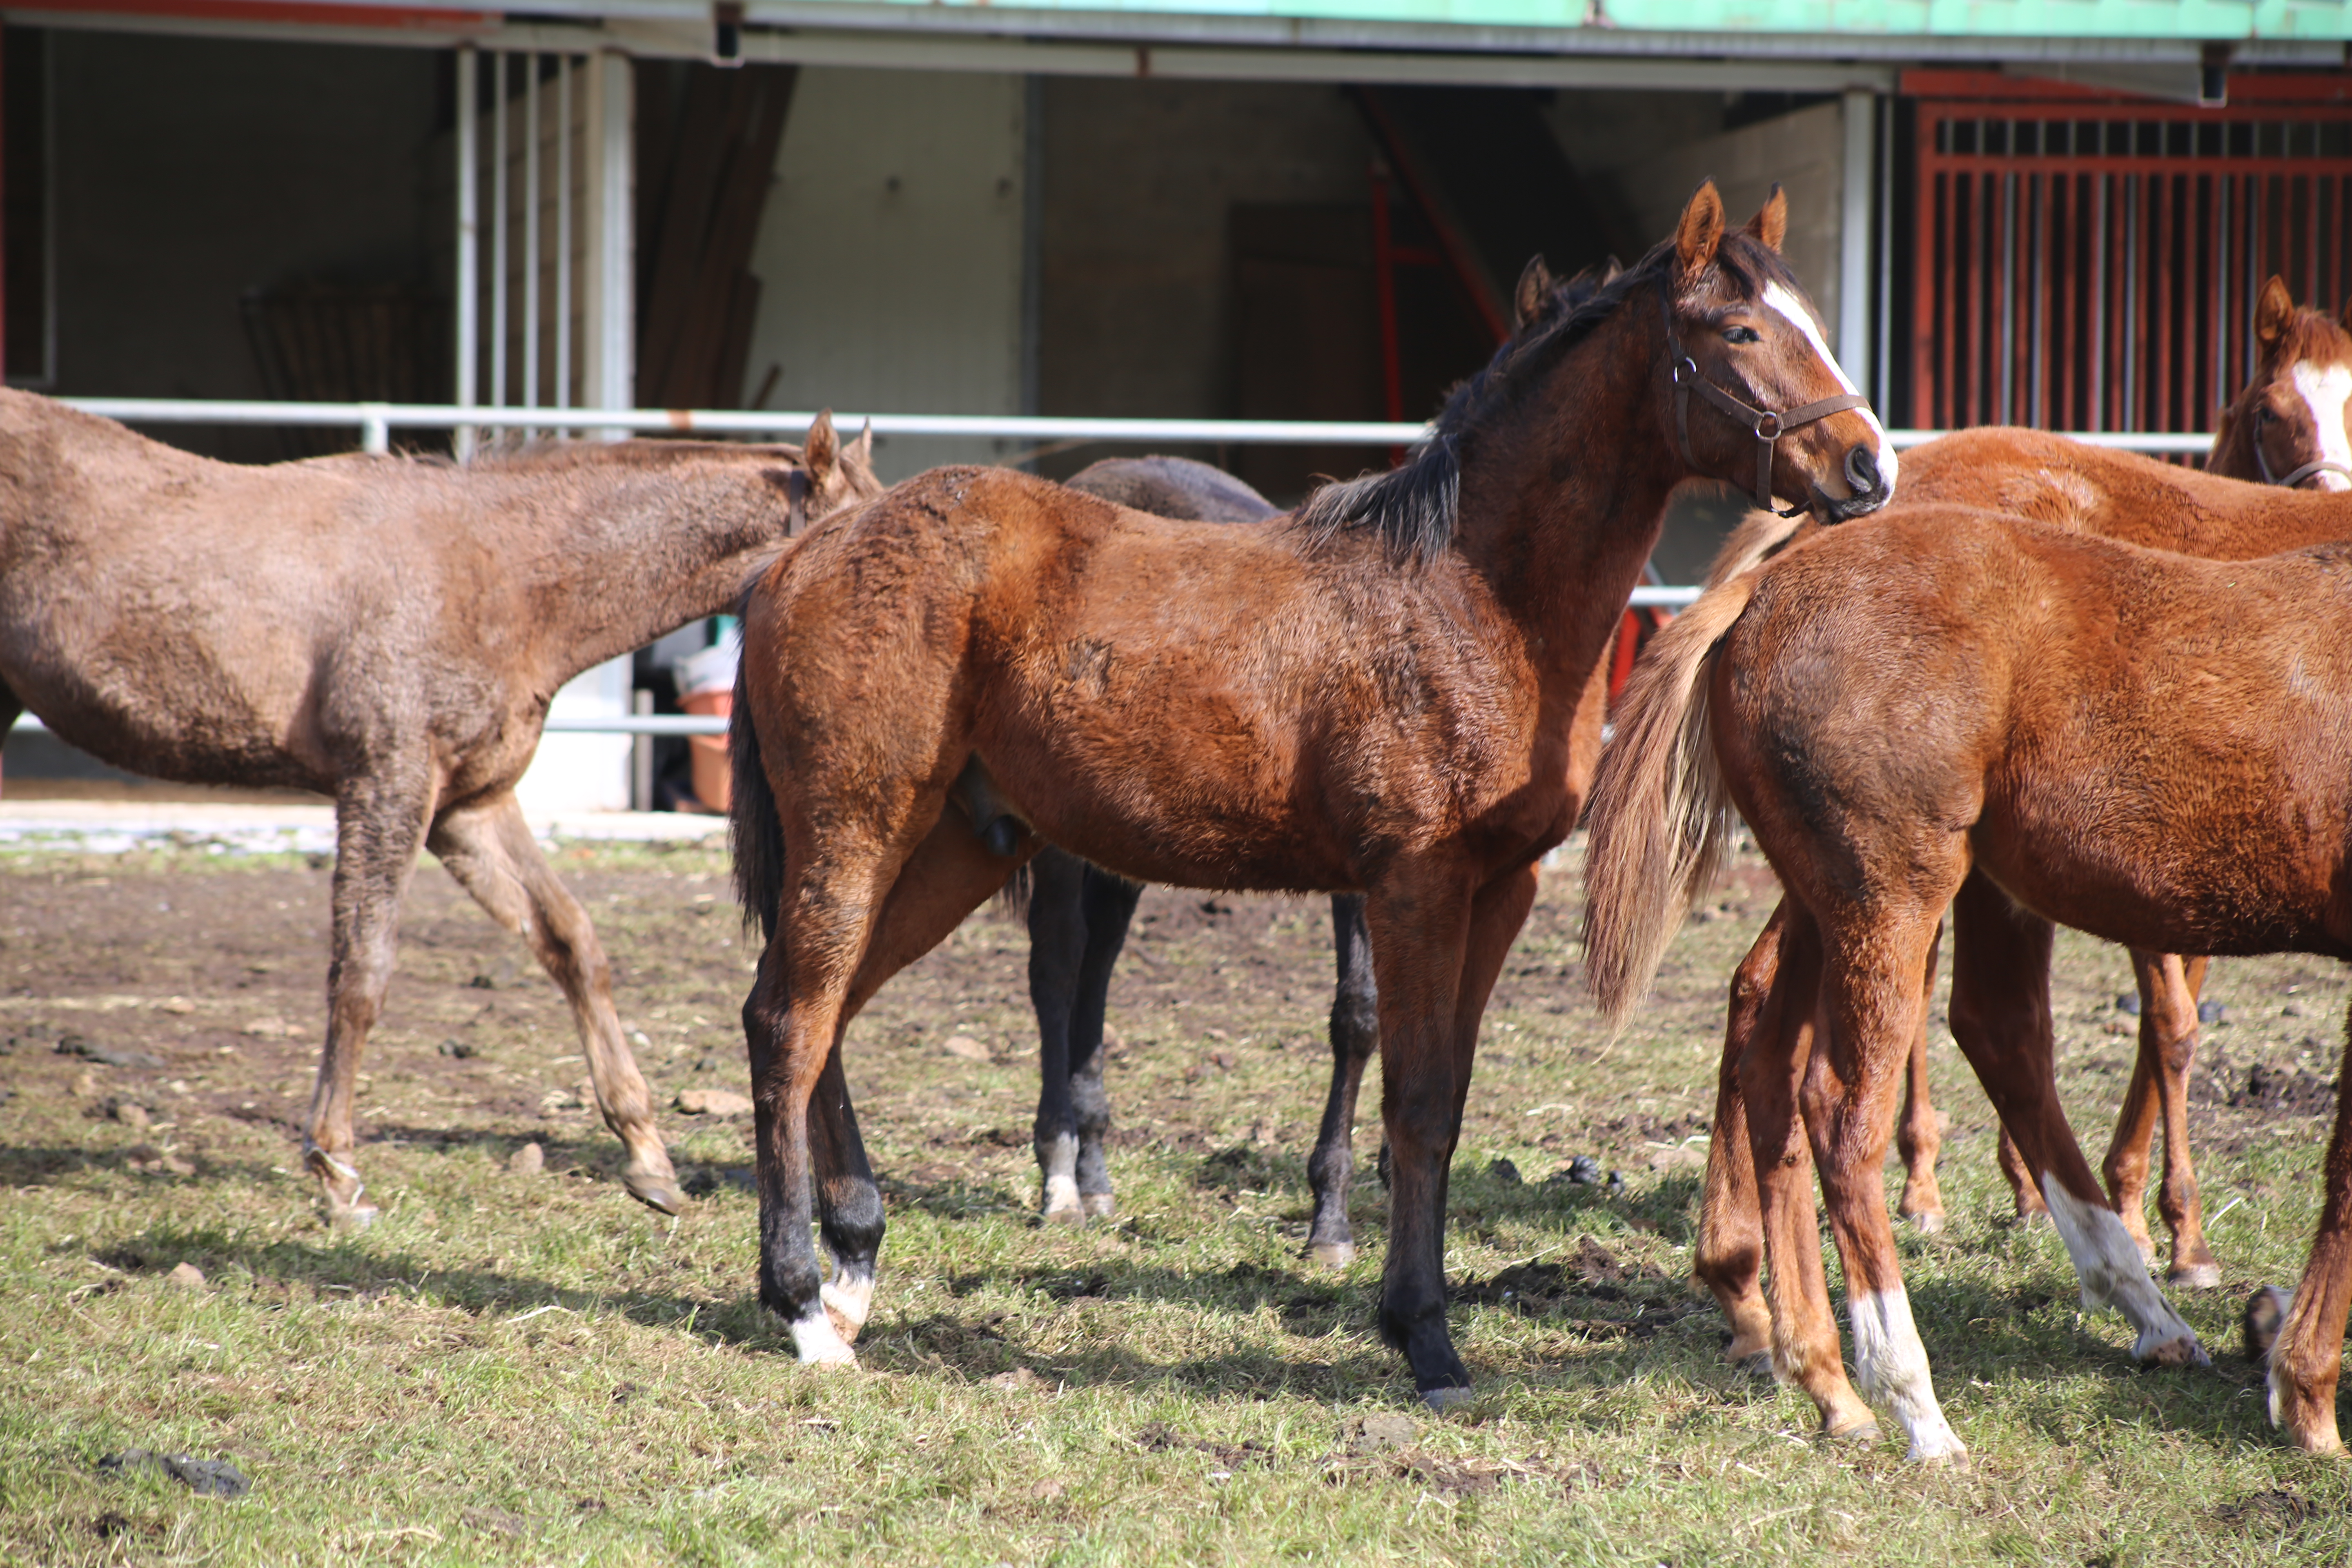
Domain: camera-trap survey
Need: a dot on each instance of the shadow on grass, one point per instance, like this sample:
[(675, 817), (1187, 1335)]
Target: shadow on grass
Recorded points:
[(38, 1165)]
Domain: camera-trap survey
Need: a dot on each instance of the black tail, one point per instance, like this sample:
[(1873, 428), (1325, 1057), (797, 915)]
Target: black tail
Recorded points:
[(758, 836)]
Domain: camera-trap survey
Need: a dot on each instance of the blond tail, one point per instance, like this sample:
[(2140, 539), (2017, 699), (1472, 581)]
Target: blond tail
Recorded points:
[(1758, 535), (1659, 815)]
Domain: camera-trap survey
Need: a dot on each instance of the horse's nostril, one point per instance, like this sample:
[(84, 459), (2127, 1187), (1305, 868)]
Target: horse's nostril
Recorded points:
[(1862, 470)]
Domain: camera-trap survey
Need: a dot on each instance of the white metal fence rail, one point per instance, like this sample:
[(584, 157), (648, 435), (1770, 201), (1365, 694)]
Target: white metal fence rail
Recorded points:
[(376, 421)]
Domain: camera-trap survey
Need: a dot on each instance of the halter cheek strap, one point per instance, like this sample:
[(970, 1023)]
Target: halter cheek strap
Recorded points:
[(2319, 466), (796, 490), (1768, 424)]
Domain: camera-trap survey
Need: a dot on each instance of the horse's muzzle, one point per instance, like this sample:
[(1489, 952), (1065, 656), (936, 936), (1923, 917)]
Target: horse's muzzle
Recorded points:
[(1870, 488)]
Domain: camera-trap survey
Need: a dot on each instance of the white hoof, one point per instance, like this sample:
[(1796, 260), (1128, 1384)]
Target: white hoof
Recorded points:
[(1100, 1206), (1061, 1205)]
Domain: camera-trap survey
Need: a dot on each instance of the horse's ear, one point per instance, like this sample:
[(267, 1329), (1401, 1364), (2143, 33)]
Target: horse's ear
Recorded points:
[(2274, 310), (861, 451), (1770, 227), (822, 451), (1535, 282), (1700, 232)]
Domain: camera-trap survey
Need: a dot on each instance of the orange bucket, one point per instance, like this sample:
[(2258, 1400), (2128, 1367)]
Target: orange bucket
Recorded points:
[(713, 777)]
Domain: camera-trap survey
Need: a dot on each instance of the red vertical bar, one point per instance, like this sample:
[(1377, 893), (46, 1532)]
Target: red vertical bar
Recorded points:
[(1384, 292), (1930, 311), (2160, 324)]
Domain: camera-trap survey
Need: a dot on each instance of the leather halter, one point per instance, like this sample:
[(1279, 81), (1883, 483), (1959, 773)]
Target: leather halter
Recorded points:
[(1767, 423), (2318, 466)]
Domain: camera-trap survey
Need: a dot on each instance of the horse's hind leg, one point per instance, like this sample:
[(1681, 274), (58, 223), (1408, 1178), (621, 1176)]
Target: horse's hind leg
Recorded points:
[(1110, 903), (1917, 1136), (826, 960), (2159, 1088), (1355, 1035), (1874, 966), (378, 822), (1729, 1257), (1057, 947), (489, 848), (2001, 1018)]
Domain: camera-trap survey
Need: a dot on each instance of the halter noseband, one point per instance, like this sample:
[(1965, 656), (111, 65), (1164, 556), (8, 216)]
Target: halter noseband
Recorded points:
[(1768, 424), (2318, 466)]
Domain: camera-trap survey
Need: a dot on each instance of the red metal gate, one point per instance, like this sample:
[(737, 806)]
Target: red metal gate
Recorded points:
[(2086, 262)]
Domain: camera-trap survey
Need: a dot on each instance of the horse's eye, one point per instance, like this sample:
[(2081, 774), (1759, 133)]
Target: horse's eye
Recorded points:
[(1741, 335), (2264, 414)]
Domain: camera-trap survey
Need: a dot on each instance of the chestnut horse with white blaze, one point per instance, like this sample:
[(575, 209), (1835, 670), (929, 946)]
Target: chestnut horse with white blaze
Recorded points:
[(1397, 690), (387, 632), (2044, 726), (2068, 485)]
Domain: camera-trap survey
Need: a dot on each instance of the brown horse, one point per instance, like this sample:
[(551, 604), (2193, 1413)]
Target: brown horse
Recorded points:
[(388, 632), (2083, 489), (1957, 708), (1394, 691)]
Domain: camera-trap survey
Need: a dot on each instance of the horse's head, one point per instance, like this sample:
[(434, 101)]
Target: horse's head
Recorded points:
[(1749, 390), (2288, 427), (837, 475)]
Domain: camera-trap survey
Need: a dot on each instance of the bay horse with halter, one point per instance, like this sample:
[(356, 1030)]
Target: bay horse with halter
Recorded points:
[(2068, 485), (387, 632), (1078, 916), (1396, 690), (1956, 708)]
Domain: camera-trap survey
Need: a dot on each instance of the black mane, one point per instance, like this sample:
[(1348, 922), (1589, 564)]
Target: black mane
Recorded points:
[(1415, 506)]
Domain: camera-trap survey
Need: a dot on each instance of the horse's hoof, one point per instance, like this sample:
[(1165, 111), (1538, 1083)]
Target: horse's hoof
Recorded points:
[(1099, 1206), (2194, 1276), (1749, 1353), (1955, 1457), (1446, 1397), (352, 1216), (1927, 1222), (2266, 1312), (1856, 1429), (662, 1196), (2179, 1351), (1332, 1254), (1064, 1214)]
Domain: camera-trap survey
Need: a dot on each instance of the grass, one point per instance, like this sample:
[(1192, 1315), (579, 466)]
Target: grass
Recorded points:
[(529, 1370)]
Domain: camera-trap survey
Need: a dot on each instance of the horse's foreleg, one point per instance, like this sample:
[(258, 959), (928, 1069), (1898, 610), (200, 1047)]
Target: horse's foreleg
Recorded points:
[(1110, 903), (378, 822), (1872, 996), (489, 848), (1771, 1072), (1057, 946), (1917, 1136), (1729, 1257), (1420, 934), (2176, 1200), (2126, 1166), (1355, 1035), (2308, 1355), (2001, 1018)]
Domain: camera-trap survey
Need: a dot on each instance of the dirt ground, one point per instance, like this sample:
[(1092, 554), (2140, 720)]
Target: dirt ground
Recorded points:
[(212, 968)]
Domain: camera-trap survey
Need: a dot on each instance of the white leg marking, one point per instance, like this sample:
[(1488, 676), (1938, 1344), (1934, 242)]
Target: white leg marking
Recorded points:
[(2325, 390), (1786, 305), (2113, 1273), (1061, 1168), (849, 1297), (1062, 1195), (1891, 1366), (815, 1338)]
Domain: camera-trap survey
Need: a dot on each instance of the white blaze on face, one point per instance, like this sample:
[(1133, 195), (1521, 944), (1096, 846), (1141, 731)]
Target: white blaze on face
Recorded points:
[(2325, 390), (1792, 310)]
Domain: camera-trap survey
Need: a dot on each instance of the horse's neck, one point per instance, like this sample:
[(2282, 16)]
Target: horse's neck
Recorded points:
[(632, 554), (1562, 506)]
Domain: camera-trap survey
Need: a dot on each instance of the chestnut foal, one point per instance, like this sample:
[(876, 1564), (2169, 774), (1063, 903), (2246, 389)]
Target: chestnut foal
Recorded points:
[(1394, 691), (1078, 917), (2068, 485), (386, 631), (1954, 708)]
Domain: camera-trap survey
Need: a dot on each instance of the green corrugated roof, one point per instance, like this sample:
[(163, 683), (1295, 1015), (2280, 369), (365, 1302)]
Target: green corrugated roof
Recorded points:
[(2187, 20)]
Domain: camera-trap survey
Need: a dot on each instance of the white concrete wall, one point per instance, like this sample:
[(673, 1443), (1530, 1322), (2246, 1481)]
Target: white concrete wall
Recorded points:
[(1805, 152), (890, 252)]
